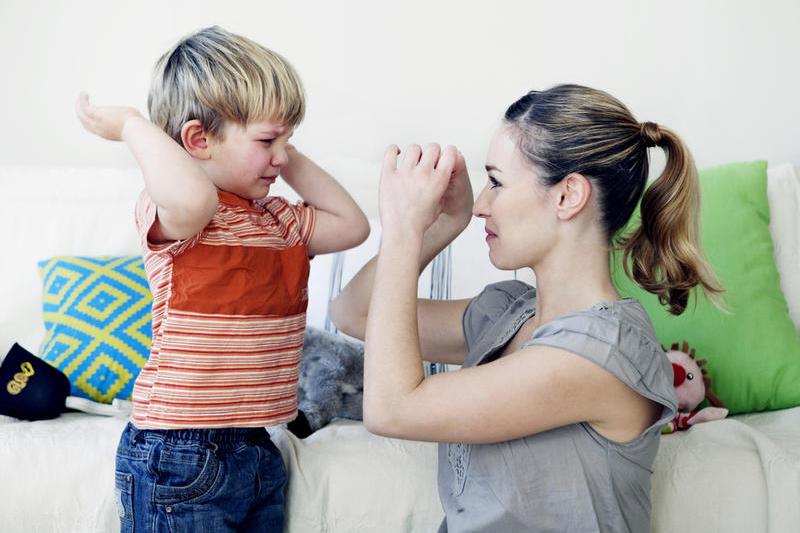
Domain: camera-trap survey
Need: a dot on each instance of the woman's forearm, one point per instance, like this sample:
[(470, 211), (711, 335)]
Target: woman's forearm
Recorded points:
[(392, 337)]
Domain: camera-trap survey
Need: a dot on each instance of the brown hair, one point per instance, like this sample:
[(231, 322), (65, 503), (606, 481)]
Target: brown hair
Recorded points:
[(575, 129)]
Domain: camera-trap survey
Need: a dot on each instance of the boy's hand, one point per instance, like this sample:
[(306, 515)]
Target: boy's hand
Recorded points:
[(104, 121)]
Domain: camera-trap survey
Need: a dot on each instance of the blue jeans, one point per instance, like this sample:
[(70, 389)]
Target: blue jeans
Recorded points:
[(199, 480)]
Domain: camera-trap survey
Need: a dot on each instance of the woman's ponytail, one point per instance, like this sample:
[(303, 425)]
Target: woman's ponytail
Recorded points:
[(664, 252)]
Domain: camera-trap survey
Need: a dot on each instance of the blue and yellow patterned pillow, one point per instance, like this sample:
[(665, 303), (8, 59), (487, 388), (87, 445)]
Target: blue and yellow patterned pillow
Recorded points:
[(96, 313)]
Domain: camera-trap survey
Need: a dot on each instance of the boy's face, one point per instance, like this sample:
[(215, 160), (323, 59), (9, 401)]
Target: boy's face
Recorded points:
[(249, 158)]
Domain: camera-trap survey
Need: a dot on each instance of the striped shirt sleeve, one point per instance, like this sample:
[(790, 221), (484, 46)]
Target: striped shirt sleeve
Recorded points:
[(306, 219)]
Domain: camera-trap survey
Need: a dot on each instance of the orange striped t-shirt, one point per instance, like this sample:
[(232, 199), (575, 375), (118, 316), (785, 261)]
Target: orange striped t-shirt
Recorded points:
[(229, 313)]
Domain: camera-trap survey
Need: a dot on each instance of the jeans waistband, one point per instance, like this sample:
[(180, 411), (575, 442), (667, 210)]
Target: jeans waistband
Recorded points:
[(223, 437)]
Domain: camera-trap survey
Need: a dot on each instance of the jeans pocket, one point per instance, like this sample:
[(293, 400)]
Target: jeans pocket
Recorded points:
[(185, 473), (123, 489)]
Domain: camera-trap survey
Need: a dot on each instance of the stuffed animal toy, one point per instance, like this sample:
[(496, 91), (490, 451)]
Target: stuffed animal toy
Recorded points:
[(331, 383), (693, 386)]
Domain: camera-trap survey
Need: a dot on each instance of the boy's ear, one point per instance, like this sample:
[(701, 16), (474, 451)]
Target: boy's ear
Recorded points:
[(576, 190), (195, 139)]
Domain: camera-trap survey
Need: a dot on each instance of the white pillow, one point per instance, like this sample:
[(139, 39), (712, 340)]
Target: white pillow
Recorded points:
[(783, 192), (57, 211)]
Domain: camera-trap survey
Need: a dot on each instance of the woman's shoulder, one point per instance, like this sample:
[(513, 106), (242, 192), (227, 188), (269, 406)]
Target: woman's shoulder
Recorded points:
[(494, 301), (618, 335), (635, 332), (608, 320), (620, 331)]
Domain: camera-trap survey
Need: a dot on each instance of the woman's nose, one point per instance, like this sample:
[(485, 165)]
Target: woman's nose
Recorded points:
[(480, 208)]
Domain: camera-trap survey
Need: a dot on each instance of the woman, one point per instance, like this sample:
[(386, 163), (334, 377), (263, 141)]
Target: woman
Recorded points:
[(553, 422)]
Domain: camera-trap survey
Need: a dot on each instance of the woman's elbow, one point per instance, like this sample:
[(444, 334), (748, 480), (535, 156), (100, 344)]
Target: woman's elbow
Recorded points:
[(344, 320), (377, 423), (336, 313)]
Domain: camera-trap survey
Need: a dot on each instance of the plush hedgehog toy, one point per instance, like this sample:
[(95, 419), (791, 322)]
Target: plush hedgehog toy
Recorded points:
[(693, 386), (331, 383)]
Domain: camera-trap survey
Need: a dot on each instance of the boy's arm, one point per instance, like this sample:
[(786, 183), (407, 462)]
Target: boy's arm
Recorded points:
[(185, 197), (340, 223)]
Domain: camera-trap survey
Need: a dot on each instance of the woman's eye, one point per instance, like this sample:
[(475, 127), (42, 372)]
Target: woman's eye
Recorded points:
[(494, 183)]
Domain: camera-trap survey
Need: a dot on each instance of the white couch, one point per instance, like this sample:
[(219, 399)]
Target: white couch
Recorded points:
[(741, 474)]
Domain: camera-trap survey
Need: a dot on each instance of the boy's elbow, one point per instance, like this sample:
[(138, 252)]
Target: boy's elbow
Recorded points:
[(197, 204), (361, 231)]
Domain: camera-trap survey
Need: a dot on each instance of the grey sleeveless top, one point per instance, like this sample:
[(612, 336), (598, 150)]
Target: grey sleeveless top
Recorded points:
[(570, 478)]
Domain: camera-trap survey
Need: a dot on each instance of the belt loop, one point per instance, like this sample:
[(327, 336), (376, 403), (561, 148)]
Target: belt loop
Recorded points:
[(154, 456), (135, 434)]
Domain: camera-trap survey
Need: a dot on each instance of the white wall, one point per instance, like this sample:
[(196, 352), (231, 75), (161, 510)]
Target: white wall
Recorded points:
[(724, 74)]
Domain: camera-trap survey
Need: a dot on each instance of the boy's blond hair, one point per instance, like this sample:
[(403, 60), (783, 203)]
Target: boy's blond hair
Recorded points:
[(216, 76)]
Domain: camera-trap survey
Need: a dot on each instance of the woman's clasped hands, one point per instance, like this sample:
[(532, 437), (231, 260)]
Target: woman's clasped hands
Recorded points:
[(423, 186)]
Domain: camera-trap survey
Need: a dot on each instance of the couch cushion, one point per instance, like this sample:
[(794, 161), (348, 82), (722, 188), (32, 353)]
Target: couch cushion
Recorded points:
[(96, 312), (343, 478), (753, 353)]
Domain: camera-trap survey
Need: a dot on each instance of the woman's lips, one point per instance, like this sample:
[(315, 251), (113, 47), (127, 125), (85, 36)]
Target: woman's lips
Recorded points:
[(490, 235)]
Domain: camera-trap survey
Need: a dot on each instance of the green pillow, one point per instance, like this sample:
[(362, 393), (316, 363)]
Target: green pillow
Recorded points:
[(98, 324), (753, 353)]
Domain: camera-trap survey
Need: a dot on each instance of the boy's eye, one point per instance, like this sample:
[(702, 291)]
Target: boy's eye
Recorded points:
[(494, 183), (267, 141)]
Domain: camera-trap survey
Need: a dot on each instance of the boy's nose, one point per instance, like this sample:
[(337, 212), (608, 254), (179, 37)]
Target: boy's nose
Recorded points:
[(279, 158)]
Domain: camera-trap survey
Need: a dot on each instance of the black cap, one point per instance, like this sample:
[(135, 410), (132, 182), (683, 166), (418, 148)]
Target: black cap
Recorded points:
[(30, 388)]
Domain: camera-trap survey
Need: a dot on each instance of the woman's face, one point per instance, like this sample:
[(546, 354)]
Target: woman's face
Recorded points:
[(520, 212)]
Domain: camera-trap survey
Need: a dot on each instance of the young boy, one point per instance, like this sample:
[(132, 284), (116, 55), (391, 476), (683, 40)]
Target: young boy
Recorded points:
[(228, 267)]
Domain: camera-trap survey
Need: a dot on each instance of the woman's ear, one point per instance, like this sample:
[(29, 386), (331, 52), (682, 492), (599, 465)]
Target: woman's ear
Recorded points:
[(195, 139), (575, 192)]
